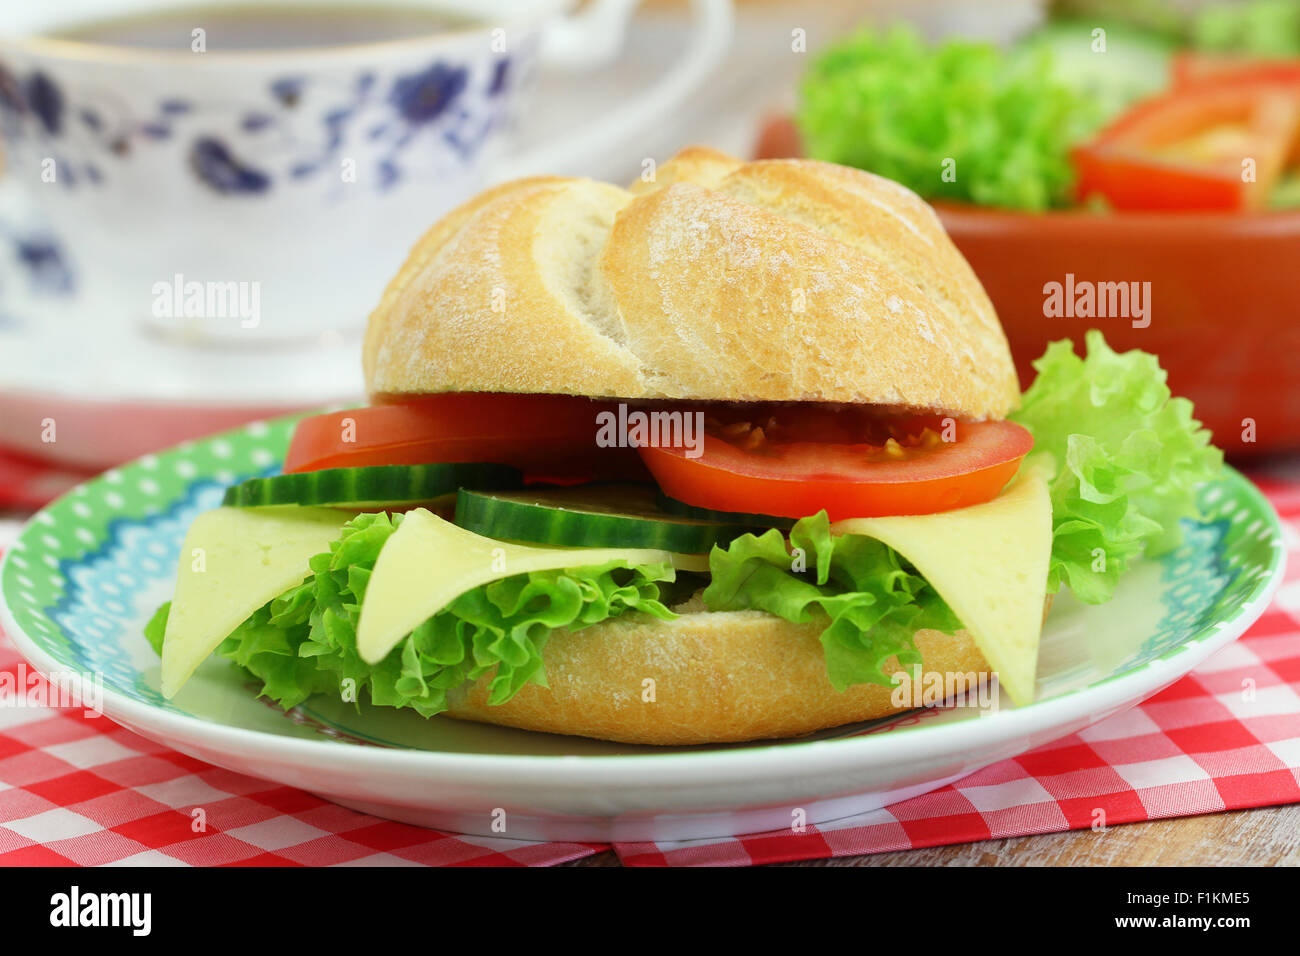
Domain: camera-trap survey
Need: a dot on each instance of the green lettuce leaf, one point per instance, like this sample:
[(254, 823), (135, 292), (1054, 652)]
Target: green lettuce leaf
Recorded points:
[(1265, 28), (157, 628), (1286, 194), (873, 602), (1001, 125), (305, 641), (1127, 459)]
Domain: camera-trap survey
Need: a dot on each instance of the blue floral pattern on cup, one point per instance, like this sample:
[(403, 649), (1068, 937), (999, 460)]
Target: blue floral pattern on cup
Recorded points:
[(35, 260), (308, 172), (265, 145)]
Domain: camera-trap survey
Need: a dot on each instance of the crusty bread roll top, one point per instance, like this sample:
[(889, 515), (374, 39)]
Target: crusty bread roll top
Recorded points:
[(778, 280)]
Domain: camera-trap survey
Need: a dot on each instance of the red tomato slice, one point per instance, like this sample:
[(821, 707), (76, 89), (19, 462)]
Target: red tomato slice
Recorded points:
[(793, 479), (1133, 182), (1185, 149), (778, 138), (551, 437)]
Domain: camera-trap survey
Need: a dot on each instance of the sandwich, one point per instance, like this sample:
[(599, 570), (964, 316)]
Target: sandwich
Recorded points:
[(734, 454)]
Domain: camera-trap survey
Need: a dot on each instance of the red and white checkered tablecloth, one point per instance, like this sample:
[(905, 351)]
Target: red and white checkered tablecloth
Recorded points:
[(82, 790)]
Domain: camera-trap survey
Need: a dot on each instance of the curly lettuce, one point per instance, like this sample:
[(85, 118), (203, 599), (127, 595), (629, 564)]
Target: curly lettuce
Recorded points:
[(304, 642), (960, 121), (1266, 28), (1127, 459), (874, 602)]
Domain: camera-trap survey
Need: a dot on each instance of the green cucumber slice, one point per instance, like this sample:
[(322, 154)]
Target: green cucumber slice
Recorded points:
[(682, 509), (377, 486), (1134, 65), (622, 514)]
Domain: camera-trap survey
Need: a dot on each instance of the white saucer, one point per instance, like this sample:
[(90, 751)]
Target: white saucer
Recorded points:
[(109, 396)]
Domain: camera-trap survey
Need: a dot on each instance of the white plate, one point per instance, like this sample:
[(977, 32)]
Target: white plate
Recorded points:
[(88, 572)]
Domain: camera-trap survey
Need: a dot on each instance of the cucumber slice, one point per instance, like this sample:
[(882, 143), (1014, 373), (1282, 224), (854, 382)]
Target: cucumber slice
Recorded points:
[(620, 514), (378, 486), (1135, 64), (682, 509)]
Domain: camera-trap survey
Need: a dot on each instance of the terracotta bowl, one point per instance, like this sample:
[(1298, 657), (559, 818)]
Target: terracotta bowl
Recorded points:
[(1224, 304), (1223, 310)]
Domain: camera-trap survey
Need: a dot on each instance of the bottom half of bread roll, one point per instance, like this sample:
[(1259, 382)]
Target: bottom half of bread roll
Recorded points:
[(702, 678)]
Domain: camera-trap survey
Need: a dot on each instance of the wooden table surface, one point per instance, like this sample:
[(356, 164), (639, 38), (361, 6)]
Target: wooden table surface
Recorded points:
[(1269, 836)]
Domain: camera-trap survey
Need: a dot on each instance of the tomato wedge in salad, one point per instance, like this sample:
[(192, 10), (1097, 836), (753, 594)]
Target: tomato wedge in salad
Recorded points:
[(549, 436), (1185, 149), (739, 471)]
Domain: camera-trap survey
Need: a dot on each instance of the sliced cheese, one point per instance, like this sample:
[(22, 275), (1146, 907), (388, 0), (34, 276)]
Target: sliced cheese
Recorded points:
[(681, 560), (427, 563), (690, 562), (233, 561), (989, 562)]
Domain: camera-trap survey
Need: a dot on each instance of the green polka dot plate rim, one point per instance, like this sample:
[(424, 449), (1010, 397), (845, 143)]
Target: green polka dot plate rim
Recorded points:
[(86, 573), (74, 578)]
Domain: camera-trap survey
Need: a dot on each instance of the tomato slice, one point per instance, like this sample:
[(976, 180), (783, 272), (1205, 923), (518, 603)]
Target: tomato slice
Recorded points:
[(1185, 149), (551, 437), (778, 138), (1193, 68), (1133, 182), (793, 479)]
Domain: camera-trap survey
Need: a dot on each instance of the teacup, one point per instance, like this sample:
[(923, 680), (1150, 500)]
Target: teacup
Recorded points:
[(261, 195)]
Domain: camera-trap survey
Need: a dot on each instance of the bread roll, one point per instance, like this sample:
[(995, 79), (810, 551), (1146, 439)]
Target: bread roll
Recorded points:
[(778, 280), (717, 677), (781, 280)]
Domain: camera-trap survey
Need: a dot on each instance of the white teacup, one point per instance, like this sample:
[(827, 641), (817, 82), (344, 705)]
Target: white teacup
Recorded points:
[(267, 194)]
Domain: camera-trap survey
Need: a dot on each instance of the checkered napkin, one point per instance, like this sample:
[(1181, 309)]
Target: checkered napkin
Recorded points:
[(78, 789), (27, 483)]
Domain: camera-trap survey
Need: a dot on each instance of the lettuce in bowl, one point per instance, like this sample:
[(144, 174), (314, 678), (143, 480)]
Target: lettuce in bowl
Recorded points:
[(961, 121)]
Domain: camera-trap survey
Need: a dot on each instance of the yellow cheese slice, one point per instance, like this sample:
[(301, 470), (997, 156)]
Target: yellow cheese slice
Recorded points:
[(681, 560), (690, 562), (989, 562), (233, 561), (427, 563)]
